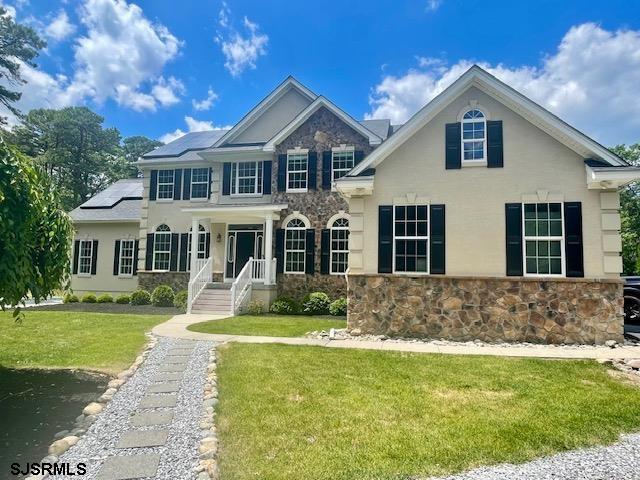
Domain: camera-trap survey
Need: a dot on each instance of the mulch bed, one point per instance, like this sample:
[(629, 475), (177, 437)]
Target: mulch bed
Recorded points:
[(108, 308)]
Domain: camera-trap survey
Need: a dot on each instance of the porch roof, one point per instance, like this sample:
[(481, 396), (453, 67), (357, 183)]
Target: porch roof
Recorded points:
[(237, 212)]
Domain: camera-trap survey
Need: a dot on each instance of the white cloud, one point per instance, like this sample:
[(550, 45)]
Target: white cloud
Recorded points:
[(591, 81), (193, 125), (241, 51), (167, 92), (207, 102), (11, 10), (433, 5), (60, 27)]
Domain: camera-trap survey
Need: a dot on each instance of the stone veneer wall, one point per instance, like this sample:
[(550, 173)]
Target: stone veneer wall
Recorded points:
[(319, 133), (572, 311), (176, 280)]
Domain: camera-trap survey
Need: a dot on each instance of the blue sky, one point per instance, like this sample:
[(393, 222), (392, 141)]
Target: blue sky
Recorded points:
[(161, 67)]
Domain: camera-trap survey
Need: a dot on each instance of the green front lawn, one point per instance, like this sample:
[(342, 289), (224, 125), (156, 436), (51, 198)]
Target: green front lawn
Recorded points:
[(96, 341), (289, 412), (269, 325)]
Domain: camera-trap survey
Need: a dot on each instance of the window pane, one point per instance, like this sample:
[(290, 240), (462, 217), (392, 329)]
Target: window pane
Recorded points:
[(543, 248), (543, 228), (543, 265), (530, 228), (543, 210), (555, 210), (556, 266), (529, 211), (531, 248), (554, 249), (531, 265), (555, 228)]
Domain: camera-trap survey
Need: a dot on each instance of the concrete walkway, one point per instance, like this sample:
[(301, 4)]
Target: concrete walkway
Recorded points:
[(176, 327)]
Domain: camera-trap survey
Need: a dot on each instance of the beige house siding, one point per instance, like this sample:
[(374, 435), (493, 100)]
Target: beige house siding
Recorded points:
[(535, 166), (104, 281)]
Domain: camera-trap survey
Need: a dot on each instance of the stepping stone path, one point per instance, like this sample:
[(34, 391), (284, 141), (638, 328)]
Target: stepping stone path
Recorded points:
[(150, 430)]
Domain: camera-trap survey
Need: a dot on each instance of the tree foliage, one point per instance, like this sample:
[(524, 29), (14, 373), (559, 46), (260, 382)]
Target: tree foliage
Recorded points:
[(134, 147), (35, 233)]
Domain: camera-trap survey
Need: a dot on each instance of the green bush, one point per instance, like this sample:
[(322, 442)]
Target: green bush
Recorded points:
[(255, 307), (285, 306), (140, 297), (123, 299), (162, 296), (105, 298), (89, 298), (180, 300), (316, 303), (338, 308), (70, 298)]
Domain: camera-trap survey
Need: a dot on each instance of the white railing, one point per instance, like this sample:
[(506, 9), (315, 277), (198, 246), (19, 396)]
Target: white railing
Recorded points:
[(199, 281), (259, 271), (241, 287)]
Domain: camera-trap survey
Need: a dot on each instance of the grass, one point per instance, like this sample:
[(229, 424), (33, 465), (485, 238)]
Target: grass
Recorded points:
[(292, 412), (269, 325), (94, 341)]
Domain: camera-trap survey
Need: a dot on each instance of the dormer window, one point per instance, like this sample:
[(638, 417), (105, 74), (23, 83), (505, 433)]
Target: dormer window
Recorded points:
[(474, 137)]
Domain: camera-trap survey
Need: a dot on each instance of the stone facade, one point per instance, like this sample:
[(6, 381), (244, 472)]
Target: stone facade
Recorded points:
[(176, 280), (572, 311), (319, 133)]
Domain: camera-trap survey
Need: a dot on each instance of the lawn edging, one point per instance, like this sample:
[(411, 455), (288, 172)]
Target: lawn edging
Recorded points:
[(207, 468)]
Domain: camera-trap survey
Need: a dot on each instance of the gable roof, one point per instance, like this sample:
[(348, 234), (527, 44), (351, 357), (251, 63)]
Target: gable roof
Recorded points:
[(478, 77), (188, 142), (119, 202), (255, 113), (319, 102)]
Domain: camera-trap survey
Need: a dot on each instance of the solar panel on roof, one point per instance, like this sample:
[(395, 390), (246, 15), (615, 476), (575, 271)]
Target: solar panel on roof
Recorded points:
[(131, 188), (189, 141)]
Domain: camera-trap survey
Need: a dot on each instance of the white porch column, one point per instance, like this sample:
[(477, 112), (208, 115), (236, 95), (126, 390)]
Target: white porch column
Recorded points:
[(268, 247), (195, 231)]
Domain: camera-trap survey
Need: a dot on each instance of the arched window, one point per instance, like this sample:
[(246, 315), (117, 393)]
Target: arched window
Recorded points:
[(474, 136), (339, 256), (202, 245), (162, 248), (295, 231)]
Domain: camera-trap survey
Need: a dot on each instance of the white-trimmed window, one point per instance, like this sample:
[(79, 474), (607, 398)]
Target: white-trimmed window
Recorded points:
[(297, 168), (342, 160), (543, 239), (246, 178), (85, 257), (339, 255), (125, 264), (411, 238), (474, 136), (295, 246), (165, 184), (162, 248), (202, 245), (199, 183)]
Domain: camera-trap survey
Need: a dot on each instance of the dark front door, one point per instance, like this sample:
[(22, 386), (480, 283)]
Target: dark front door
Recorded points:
[(245, 244)]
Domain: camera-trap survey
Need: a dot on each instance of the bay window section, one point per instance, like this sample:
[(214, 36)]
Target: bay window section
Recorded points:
[(411, 239)]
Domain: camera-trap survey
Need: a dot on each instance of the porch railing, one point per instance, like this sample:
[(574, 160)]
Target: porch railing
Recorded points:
[(259, 271), (241, 287), (199, 281)]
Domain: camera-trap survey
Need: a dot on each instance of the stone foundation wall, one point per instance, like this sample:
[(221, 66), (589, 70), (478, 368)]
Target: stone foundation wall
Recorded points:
[(572, 311), (176, 280), (297, 286)]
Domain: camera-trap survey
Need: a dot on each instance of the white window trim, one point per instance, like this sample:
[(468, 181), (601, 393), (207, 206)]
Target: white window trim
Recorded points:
[(207, 184), (331, 250), (307, 225), (297, 151), (236, 179), (476, 162), (341, 149), (404, 237), (172, 183), (546, 237), (80, 257), (155, 252), (120, 257)]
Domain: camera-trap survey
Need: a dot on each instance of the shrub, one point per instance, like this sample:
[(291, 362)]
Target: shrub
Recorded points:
[(180, 300), (255, 307), (123, 299), (105, 298), (285, 306), (70, 298), (162, 296), (140, 297), (89, 298), (316, 303), (338, 308)]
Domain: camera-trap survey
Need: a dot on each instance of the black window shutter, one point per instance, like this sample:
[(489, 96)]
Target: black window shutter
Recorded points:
[(153, 185), (494, 144), (453, 158), (437, 239), (358, 155), (279, 250), (209, 183), (326, 170), (325, 250), (136, 246), (513, 216), (226, 178), (385, 239), (148, 259), (186, 184), (282, 172), (266, 178), (94, 258), (310, 247), (184, 243), (177, 183), (312, 171), (116, 258), (76, 255), (207, 245), (173, 264), (573, 239)]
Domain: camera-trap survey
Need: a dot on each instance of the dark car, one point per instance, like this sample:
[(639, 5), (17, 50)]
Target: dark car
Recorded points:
[(632, 304)]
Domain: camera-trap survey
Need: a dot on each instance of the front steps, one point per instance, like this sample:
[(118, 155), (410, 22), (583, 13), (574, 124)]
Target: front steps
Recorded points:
[(214, 298)]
